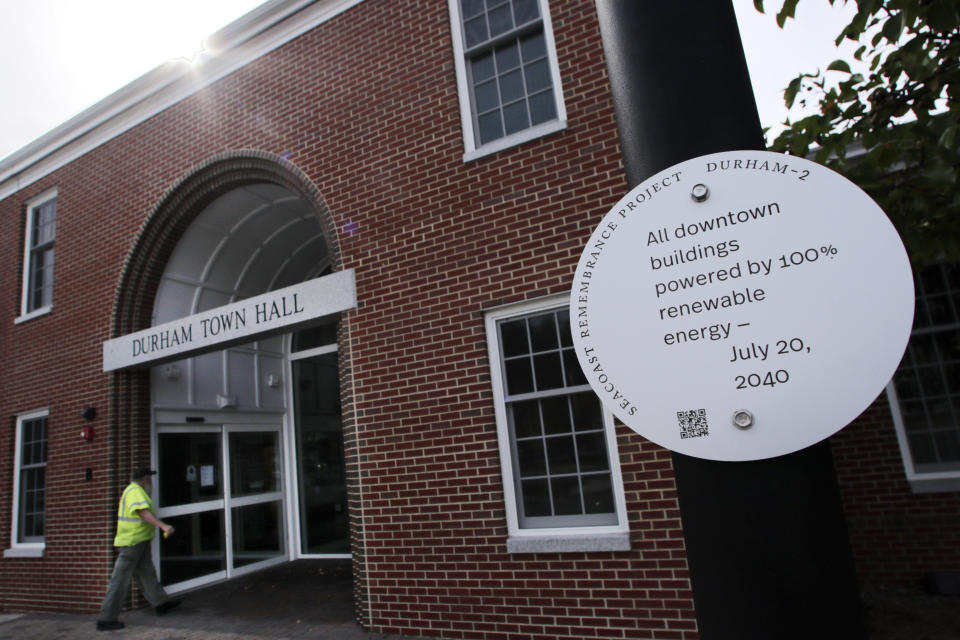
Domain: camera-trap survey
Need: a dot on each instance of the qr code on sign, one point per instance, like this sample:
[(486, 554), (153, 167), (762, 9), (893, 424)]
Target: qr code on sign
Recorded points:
[(693, 423)]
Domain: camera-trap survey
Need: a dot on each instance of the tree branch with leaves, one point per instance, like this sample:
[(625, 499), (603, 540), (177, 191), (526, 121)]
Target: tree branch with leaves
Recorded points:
[(895, 128)]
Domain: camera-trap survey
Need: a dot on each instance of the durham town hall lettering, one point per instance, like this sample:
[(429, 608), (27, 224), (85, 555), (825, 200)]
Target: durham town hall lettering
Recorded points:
[(222, 323)]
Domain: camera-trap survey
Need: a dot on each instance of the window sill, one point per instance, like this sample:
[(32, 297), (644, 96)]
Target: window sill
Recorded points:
[(516, 139), (568, 543), (919, 484), (33, 314), (23, 552)]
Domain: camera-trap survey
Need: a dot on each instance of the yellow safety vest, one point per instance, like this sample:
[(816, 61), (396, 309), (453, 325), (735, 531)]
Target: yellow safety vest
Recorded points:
[(131, 529)]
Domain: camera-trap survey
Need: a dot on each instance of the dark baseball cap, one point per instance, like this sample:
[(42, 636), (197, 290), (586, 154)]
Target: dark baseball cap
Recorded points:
[(142, 472)]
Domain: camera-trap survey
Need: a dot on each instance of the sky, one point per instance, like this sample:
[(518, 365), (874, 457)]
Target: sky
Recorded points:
[(61, 56)]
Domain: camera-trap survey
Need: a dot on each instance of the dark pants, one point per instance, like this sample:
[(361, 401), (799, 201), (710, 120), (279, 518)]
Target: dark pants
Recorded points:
[(133, 561)]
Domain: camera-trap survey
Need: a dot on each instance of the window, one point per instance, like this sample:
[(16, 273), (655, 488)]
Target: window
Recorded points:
[(558, 451), (38, 256), (925, 391), (323, 521), (507, 73), (29, 485)]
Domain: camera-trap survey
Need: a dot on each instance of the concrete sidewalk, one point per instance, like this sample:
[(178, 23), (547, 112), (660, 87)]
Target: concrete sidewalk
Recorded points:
[(36, 626), (296, 600)]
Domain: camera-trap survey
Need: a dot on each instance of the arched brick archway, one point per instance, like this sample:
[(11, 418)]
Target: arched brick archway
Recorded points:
[(130, 398), (181, 204)]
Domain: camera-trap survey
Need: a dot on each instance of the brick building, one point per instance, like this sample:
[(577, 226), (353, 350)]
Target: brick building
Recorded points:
[(438, 167)]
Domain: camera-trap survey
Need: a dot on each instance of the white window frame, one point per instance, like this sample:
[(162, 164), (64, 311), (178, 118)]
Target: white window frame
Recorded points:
[(614, 537), (25, 312), (926, 481), (923, 481), (472, 150), (293, 480), (920, 482), (23, 549)]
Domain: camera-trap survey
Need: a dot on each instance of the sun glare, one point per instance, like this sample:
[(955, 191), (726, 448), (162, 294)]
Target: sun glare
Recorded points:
[(81, 52), (193, 58)]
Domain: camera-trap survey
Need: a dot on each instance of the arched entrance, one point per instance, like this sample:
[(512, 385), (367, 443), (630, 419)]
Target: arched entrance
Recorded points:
[(248, 439)]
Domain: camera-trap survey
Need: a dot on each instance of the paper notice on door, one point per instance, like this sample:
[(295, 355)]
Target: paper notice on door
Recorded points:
[(206, 475)]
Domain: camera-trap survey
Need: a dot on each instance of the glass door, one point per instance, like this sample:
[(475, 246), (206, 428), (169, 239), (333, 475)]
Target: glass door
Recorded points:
[(222, 489), (189, 496), (255, 498), (323, 522), (321, 473)]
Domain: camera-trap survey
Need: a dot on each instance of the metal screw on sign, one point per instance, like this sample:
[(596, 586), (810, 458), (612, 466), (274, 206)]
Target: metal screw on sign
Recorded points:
[(700, 192), (742, 419)]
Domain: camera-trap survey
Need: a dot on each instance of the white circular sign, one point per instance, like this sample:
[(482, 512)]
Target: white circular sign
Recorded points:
[(742, 305)]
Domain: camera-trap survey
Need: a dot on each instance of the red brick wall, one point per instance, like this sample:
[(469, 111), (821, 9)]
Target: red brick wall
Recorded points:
[(51, 361), (897, 535), (366, 107), (369, 112)]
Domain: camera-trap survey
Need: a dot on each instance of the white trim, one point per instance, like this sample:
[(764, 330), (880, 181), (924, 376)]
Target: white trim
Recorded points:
[(292, 499), (325, 556), (193, 583), (293, 492), (31, 204), (23, 549), (471, 150), (589, 538), (257, 566), (192, 507), (316, 351), (237, 323), (931, 482), (42, 311), (233, 47), (545, 543), (515, 139), (263, 498), (258, 498), (251, 428), (221, 576)]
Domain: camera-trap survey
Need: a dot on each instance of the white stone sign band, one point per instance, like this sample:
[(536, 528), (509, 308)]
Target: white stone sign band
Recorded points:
[(742, 305), (280, 310)]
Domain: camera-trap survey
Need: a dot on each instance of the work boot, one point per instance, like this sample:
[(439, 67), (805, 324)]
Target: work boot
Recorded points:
[(163, 607), (109, 625)]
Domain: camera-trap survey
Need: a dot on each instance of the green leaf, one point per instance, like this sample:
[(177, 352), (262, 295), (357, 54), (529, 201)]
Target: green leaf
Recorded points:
[(839, 65), (787, 11), (758, 5), (790, 93), (911, 168), (892, 28), (859, 23), (943, 16)]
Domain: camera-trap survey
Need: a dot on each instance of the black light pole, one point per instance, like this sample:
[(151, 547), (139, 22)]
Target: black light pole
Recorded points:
[(766, 540)]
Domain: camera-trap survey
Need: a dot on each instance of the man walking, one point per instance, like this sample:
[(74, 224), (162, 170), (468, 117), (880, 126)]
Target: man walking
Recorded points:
[(136, 526)]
